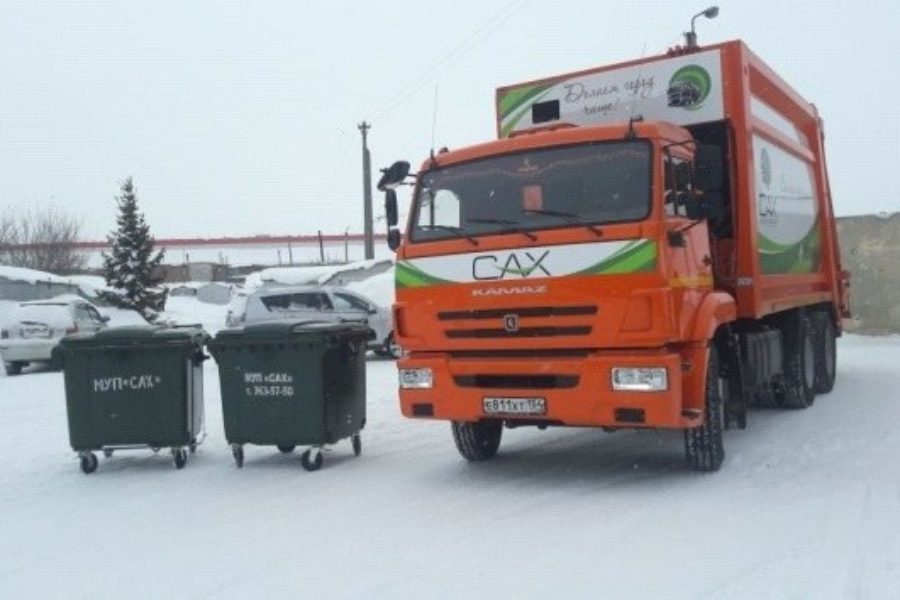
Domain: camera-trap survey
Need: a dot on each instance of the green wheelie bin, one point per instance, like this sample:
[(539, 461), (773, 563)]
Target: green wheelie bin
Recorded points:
[(134, 387), (292, 383)]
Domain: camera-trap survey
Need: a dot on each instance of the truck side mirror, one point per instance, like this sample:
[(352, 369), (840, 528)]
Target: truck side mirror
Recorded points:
[(393, 239), (390, 207), (705, 206), (393, 175), (708, 165)]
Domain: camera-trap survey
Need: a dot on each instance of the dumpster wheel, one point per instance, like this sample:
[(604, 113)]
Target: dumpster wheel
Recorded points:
[(88, 462), (237, 451), (179, 457), (312, 459), (285, 449), (107, 452), (357, 444)]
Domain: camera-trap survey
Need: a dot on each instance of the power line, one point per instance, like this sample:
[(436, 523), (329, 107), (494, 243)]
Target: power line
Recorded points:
[(488, 27)]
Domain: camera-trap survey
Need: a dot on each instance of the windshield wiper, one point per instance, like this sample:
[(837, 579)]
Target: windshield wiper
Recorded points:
[(511, 226), (458, 230), (570, 217)]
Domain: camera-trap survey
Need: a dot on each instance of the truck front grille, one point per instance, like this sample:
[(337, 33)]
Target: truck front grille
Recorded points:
[(528, 322), (517, 382), (522, 312)]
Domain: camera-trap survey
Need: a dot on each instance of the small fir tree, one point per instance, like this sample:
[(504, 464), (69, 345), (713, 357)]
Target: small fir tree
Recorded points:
[(131, 263)]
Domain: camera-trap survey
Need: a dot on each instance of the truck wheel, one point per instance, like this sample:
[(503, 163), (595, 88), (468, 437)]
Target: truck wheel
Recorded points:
[(14, 368), (477, 441), (703, 446), (392, 348), (826, 352), (798, 388)]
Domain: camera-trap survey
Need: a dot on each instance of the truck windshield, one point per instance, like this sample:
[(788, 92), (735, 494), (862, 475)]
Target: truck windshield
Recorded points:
[(595, 184)]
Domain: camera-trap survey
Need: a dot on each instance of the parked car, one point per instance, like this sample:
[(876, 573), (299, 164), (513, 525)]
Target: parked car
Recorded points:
[(320, 303), (34, 329)]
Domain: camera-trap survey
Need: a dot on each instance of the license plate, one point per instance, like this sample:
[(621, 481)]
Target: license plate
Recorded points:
[(514, 406)]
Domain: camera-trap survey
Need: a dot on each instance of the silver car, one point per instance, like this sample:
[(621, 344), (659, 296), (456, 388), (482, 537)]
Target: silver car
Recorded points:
[(319, 303), (34, 329)]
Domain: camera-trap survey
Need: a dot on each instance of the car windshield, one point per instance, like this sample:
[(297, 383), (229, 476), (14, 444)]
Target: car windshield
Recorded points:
[(596, 183)]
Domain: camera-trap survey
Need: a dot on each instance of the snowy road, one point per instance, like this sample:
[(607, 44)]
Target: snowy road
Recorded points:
[(806, 506)]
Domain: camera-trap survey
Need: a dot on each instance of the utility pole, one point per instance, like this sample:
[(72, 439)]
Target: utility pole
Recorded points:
[(367, 191)]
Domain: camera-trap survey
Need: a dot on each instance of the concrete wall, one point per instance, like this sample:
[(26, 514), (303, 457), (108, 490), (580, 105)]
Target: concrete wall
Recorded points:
[(870, 250)]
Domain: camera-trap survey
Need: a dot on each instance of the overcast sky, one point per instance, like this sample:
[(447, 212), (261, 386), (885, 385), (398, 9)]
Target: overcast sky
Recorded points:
[(239, 118)]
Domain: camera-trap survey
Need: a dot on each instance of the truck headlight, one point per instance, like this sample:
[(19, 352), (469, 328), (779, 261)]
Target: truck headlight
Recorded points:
[(416, 379), (640, 379)]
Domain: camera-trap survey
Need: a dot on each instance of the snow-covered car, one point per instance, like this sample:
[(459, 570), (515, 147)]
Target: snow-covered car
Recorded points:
[(319, 303), (34, 329)]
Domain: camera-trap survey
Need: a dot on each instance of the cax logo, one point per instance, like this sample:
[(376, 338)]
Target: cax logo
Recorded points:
[(492, 266)]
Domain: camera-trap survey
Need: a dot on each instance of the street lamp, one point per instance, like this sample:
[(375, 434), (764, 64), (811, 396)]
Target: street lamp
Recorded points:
[(690, 37)]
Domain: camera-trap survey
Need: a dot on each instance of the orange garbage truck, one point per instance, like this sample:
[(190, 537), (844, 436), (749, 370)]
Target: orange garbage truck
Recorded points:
[(648, 244)]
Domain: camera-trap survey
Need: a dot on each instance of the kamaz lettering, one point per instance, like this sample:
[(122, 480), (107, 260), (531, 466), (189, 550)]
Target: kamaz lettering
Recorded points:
[(509, 291)]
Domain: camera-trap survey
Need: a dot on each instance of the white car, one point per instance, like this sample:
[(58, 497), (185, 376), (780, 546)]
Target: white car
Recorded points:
[(319, 303), (34, 329)]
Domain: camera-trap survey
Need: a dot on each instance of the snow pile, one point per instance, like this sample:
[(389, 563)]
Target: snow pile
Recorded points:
[(187, 310), (33, 277), (378, 288), (119, 317), (54, 313), (90, 284), (308, 275)]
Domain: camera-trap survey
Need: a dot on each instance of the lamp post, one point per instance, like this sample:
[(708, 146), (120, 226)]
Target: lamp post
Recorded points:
[(690, 37)]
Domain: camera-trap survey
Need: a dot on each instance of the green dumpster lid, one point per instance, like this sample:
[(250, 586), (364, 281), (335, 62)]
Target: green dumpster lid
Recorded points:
[(292, 328), (143, 334)]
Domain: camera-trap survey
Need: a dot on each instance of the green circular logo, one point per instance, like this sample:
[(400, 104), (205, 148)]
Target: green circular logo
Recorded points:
[(689, 87)]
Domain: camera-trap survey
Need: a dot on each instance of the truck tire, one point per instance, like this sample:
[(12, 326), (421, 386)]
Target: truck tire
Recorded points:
[(797, 390), (391, 348), (825, 352), (703, 446), (477, 441)]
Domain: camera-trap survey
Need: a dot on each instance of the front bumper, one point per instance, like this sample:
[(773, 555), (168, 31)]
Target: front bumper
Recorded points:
[(578, 390), (19, 350)]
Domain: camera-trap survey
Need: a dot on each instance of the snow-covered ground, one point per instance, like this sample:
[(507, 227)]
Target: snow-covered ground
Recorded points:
[(807, 506)]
